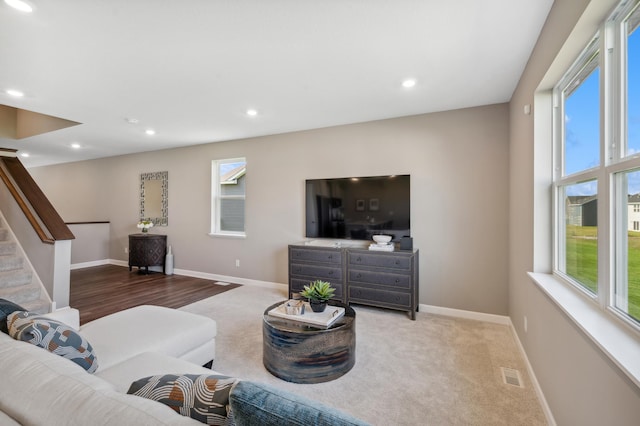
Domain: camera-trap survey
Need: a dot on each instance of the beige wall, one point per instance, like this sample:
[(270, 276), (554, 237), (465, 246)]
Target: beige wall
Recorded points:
[(91, 244), (580, 383), (458, 163)]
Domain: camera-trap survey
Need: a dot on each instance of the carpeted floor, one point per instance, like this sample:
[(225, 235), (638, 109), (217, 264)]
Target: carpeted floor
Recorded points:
[(433, 371)]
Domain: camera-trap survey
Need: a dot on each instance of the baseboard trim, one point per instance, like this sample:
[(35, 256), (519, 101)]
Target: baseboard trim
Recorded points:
[(227, 278), (207, 276), (551, 421), (460, 313), (90, 264)]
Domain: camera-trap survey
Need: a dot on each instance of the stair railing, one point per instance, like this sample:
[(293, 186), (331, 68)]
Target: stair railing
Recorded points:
[(36, 207)]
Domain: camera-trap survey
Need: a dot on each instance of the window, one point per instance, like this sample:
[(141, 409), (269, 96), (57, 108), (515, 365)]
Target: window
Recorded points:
[(577, 181), (597, 168), (228, 196)]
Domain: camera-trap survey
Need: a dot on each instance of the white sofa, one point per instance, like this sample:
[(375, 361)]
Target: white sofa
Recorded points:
[(38, 387)]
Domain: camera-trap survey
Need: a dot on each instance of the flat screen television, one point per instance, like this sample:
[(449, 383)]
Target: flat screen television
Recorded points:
[(356, 208)]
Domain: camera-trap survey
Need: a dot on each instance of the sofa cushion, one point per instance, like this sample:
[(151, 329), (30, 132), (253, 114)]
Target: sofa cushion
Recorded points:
[(147, 364), (204, 397), (5, 420), (39, 388), (67, 315), (7, 307), (259, 404), (146, 328), (54, 336)]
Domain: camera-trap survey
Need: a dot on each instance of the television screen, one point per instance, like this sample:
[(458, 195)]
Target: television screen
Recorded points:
[(359, 207)]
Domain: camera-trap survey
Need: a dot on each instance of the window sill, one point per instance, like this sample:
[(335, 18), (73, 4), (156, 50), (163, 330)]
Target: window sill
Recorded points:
[(223, 235), (614, 338)]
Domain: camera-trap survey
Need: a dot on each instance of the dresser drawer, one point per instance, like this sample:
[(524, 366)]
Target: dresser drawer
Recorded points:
[(380, 278), (385, 260), (377, 297), (316, 272), (310, 255)]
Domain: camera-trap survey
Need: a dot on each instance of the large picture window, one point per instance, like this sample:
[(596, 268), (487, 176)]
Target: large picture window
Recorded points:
[(228, 196), (597, 168)]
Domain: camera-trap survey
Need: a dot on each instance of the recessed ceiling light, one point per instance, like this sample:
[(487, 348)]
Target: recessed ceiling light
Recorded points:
[(150, 132), (24, 154), (22, 6), (252, 112), (409, 83), (75, 145), (13, 92)]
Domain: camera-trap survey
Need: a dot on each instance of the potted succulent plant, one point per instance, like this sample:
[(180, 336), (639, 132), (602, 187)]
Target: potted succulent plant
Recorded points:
[(318, 292)]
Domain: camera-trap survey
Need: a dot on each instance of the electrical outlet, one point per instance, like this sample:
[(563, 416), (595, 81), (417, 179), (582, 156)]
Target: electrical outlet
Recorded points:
[(525, 324), (237, 263), (126, 250)]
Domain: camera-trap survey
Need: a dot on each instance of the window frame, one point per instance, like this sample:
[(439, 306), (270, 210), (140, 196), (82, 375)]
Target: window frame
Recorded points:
[(217, 197), (562, 181), (609, 45)]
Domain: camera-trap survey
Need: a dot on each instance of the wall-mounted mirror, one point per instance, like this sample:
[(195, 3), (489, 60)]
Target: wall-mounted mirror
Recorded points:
[(154, 199)]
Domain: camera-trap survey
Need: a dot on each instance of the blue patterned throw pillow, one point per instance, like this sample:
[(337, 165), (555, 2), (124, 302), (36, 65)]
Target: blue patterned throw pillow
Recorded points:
[(203, 397), (7, 307), (54, 336)]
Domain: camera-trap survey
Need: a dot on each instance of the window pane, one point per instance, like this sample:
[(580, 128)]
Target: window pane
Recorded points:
[(627, 288), (581, 234), (232, 215), (582, 121), (633, 85), (229, 196)]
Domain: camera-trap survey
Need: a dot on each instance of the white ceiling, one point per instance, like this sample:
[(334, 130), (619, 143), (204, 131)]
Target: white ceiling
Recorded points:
[(191, 69)]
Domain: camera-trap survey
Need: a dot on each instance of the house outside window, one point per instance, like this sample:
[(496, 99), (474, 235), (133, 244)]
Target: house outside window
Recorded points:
[(597, 168), (228, 187)]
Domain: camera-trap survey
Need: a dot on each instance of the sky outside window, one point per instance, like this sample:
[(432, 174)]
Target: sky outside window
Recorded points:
[(582, 126), (633, 87)]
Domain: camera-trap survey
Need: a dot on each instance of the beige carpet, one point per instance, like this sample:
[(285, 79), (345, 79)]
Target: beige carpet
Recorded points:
[(433, 371)]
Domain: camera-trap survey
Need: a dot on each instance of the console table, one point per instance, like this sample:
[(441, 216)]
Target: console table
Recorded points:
[(147, 250), (367, 277)]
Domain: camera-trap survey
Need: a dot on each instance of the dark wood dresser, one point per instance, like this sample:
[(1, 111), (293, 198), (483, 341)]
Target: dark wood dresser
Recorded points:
[(366, 277), (147, 250)]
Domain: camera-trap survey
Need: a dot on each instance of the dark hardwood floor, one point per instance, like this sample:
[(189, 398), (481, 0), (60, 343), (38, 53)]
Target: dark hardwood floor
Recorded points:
[(102, 290)]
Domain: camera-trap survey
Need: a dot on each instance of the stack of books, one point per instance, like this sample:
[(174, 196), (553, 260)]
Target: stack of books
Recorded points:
[(382, 247)]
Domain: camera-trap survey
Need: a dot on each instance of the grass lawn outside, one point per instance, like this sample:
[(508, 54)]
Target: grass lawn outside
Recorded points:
[(582, 262)]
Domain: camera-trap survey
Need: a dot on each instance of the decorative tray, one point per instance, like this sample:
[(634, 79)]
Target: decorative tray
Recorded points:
[(320, 319)]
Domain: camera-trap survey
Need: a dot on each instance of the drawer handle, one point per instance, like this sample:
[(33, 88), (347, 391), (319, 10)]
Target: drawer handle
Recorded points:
[(330, 272), (359, 276), (397, 262), (358, 259), (397, 281), (330, 257)]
